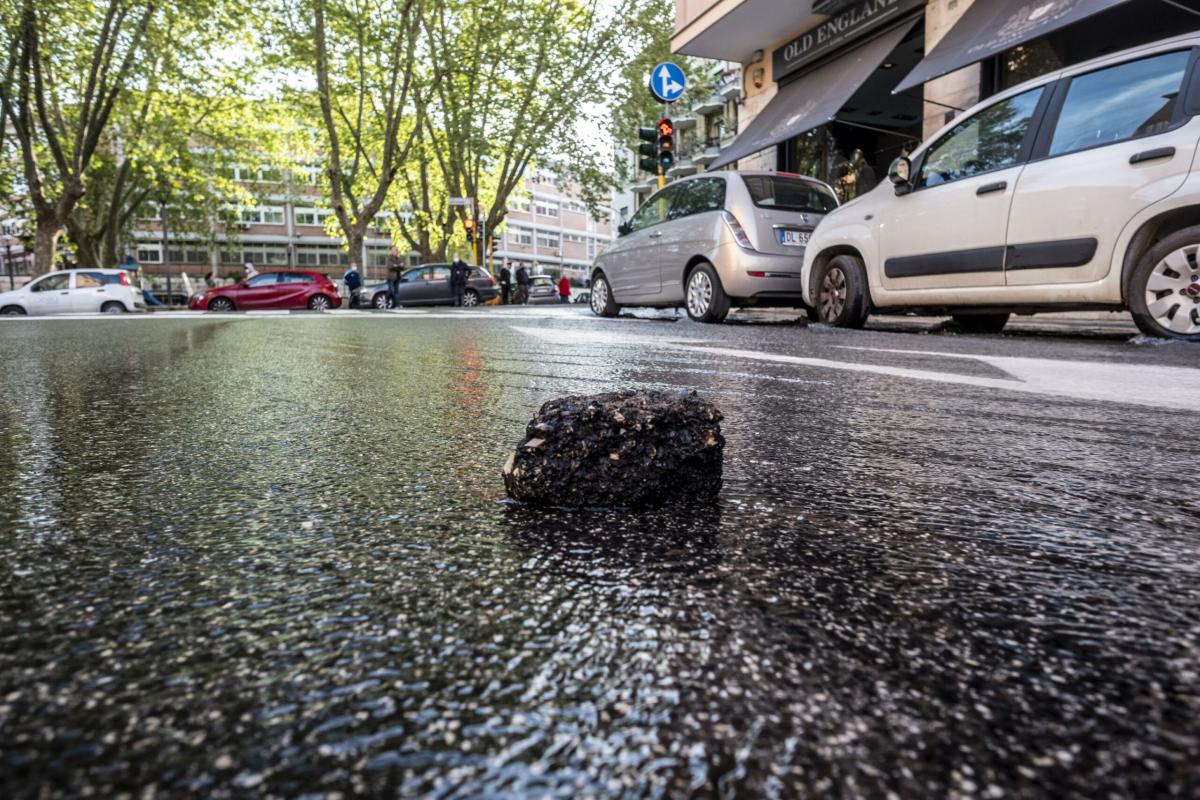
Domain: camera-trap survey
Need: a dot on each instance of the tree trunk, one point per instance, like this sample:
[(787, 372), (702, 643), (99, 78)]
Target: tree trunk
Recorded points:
[(45, 244), (354, 243)]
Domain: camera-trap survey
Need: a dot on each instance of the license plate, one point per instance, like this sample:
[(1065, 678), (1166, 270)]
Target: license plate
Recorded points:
[(793, 238)]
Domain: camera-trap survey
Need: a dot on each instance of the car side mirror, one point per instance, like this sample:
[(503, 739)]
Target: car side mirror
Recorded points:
[(900, 174), (624, 229)]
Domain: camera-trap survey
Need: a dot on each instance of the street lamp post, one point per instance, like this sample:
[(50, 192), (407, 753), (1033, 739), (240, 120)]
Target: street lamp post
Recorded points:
[(12, 278), (166, 257)]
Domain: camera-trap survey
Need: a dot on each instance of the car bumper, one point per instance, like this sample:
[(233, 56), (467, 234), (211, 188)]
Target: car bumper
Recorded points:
[(762, 277)]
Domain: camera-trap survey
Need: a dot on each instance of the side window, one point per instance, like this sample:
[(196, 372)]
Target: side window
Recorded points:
[(438, 274), (655, 209), (294, 277), (51, 283), (88, 280), (989, 140), (697, 196), (263, 279), (1121, 102), (411, 275)]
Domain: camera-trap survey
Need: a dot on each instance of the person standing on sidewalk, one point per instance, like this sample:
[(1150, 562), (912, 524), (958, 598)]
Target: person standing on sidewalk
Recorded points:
[(522, 285), (249, 270), (458, 280), (564, 290), (395, 271), (353, 282), (505, 285)]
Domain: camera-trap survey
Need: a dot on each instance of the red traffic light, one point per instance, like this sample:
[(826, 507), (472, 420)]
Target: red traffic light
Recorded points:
[(468, 224), (666, 127)]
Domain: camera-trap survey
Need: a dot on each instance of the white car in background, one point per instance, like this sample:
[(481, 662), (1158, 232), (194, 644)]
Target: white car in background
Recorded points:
[(75, 291)]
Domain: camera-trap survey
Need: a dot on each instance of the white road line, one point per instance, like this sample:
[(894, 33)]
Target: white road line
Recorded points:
[(1160, 387)]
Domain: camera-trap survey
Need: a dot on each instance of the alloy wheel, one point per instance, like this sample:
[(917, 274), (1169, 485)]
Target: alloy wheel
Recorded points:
[(832, 299), (1173, 291), (599, 296), (382, 301), (699, 294), (220, 305), (470, 299), (319, 303)]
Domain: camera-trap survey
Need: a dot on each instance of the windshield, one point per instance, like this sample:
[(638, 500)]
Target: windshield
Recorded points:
[(789, 194)]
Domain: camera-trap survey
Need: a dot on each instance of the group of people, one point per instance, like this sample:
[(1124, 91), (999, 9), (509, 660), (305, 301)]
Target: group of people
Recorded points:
[(507, 297)]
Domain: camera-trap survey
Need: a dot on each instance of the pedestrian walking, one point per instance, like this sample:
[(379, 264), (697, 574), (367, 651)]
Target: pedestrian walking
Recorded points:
[(353, 282), (564, 290), (458, 280), (522, 285), (249, 270), (395, 272), (505, 285), (210, 280)]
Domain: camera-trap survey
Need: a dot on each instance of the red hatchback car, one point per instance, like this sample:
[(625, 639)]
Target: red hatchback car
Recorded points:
[(271, 290)]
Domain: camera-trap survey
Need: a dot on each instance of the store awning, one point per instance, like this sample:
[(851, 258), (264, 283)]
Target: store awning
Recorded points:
[(812, 99), (990, 27)]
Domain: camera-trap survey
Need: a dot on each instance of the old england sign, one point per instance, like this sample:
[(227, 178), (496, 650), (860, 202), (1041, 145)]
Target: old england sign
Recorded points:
[(855, 20)]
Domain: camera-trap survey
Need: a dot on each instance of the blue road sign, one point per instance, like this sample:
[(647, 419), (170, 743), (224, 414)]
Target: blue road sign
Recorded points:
[(667, 82)]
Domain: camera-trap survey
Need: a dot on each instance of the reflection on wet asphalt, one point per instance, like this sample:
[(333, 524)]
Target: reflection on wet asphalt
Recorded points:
[(272, 556)]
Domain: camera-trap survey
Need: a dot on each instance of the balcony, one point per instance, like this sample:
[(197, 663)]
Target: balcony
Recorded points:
[(685, 121), (712, 105), (712, 149), (731, 90), (684, 166)]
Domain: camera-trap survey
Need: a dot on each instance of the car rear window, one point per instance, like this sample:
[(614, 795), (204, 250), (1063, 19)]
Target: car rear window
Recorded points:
[(789, 194)]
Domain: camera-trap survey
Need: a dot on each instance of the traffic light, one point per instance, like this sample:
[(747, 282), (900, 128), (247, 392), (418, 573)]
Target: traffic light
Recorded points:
[(666, 144), (648, 149), (469, 227)]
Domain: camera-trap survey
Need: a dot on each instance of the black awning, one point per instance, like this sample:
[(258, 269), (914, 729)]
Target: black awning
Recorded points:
[(990, 27), (813, 99)]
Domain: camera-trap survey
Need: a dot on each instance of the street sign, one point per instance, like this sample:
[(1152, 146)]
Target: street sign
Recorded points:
[(464, 202), (667, 82)]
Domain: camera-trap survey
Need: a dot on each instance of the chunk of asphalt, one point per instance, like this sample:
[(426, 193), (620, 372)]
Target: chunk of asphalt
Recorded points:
[(626, 449)]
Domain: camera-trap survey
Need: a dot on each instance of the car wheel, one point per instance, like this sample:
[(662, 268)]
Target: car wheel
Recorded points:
[(981, 323), (221, 305), (603, 304), (12, 311), (705, 298), (319, 302), (842, 293), (381, 300), (470, 298), (112, 307), (1164, 294)]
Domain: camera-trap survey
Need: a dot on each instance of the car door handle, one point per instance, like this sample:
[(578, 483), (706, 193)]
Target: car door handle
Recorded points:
[(656, 234), (1152, 155), (64, 292), (988, 188)]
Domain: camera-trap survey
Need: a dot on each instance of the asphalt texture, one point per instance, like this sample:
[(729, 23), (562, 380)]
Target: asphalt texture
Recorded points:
[(272, 555)]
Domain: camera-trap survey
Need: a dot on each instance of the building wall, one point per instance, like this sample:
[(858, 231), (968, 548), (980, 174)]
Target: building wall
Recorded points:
[(959, 89)]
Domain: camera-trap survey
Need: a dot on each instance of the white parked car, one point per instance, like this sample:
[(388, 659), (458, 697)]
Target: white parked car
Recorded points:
[(76, 291), (713, 241), (1075, 191)]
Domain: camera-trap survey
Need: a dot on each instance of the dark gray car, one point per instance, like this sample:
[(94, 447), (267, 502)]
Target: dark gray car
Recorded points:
[(429, 285)]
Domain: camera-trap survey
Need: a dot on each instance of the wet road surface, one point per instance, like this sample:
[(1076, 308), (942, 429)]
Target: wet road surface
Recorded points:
[(272, 556)]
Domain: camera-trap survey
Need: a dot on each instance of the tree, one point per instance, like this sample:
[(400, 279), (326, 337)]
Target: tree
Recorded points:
[(74, 60), (505, 86), (361, 54)]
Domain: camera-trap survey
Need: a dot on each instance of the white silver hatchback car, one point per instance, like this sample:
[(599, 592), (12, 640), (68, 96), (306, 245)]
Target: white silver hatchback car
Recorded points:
[(713, 241), (76, 291), (1078, 190)]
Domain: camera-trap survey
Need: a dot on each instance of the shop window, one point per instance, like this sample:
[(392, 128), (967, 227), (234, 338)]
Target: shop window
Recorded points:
[(988, 140), (1121, 102)]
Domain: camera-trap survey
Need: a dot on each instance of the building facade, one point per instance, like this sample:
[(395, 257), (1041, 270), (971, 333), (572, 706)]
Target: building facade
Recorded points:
[(551, 229), (837, 89)]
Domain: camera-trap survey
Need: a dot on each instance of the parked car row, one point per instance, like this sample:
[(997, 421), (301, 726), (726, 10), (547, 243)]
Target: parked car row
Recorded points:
[(429, 285), (1078, 190)]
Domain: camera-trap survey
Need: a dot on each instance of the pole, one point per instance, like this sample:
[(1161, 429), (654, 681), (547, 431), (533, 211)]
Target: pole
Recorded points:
[(162, 213), (662, 177), (482, 242), (12, 279)]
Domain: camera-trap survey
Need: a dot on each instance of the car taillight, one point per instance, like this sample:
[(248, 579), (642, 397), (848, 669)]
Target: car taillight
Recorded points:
[(735, 227), (124, 277)]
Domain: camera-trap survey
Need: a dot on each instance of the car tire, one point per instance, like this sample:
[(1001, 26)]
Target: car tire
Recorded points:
[(113, 307), (319, 302), (602, 302), (841, 293), (981, 323), (470, 298), (381, 300), (12, 311), (1164, 293), (704, 297), (221, 305)]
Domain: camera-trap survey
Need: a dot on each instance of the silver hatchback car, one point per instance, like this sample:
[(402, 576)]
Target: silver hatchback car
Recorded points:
[(714, 241)]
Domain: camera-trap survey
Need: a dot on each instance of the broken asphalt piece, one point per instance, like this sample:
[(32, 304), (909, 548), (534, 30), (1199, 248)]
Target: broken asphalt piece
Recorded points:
[(627, 449)]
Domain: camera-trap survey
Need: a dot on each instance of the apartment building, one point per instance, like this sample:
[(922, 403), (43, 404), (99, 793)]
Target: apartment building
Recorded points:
[(286, 229), (550, 228), (838, 88)]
